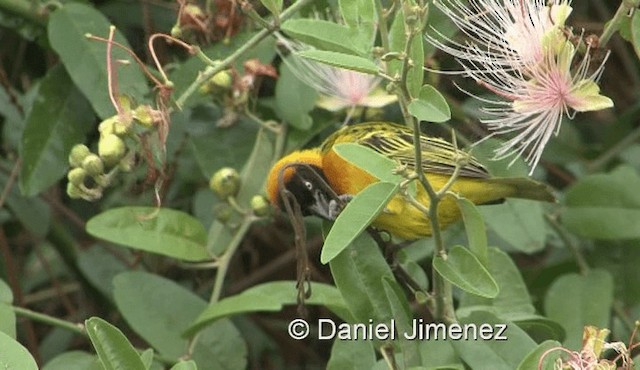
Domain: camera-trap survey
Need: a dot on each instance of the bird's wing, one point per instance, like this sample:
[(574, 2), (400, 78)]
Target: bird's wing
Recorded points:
[(438, 156)]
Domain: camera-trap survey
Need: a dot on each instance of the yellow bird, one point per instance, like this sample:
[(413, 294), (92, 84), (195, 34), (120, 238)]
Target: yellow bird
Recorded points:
[(400, 217)]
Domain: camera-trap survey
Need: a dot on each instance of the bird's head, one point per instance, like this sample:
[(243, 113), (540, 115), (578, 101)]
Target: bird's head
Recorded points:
[(301, 174)]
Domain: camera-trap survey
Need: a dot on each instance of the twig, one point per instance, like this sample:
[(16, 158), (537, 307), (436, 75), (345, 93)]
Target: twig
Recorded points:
[(224, 64), (626, 7), (10, 182), (583, 266)]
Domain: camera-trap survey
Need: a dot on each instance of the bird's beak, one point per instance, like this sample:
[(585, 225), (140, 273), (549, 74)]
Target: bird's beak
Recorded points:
[(321, 206)]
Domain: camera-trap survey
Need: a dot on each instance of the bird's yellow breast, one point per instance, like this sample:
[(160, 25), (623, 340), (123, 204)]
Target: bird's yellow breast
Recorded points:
[(400, 217)]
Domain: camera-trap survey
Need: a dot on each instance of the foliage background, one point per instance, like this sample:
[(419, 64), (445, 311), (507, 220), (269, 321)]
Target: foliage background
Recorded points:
[(559, 267)]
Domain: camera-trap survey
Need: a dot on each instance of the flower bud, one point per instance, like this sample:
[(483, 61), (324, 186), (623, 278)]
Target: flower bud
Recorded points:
[(76, 176), (73, 191), (126, 164), (121, 128), (223, 212), (259, 205), (176, 31), (93, 165), (111, 149), (143, 116), (78, 153), (225, 182), (107, 126), (222, 79)]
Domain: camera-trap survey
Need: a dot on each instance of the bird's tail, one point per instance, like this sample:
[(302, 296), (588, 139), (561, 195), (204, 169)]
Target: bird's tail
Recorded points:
[(526, 188)]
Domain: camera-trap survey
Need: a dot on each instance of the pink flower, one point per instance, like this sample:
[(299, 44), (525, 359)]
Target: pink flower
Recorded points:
[(339, 88), (521, 51)]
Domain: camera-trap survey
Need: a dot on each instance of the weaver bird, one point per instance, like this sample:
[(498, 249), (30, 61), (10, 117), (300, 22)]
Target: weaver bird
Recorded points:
[(400, 217)]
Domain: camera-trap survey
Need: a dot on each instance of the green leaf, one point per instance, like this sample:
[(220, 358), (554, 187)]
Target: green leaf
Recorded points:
[(635, 32), (474, 226), (401, 312), (270, 297), (147, 357), (358, 272), (463, 270), (74, 360), (605, 206), (274, 6), (397, 43), (367, 159), (341, 60), (493, 354), (352, 354), (532, 360), (519, 222), (220, 346), (439, 354), (148, 303), (430, 106), (99, 266), (539, 328), (113, 348), (185, 365), (160, 310), (513, 296), (7, 315), (355, 217), (358, 13), (6, 294), (33, 213), (159, 230), (577, 300), (59, 119), (86, 60), (211, 144), (294, 99), (14, 356), (323, 35)]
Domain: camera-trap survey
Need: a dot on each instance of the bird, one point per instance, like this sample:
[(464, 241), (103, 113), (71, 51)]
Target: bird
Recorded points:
[(302, 173)]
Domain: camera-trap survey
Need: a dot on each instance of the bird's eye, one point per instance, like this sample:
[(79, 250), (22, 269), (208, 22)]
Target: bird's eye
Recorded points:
[(309, 185)]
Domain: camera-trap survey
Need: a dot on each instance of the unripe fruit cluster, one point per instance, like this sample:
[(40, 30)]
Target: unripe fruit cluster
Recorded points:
[(225, 183), (87, 177)]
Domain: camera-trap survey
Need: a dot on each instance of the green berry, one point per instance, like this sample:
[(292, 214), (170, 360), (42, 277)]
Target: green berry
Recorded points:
[(78, 153), (222, 79), (143, 114), (73, 191), (107, 126), (76, 176), (223, 212), (93, 165), (259, 205), (225, 182), (111, 149)]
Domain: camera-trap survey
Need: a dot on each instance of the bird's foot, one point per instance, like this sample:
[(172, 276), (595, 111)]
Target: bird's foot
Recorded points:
[(336, 206)]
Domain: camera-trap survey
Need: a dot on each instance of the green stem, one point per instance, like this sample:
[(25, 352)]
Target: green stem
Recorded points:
[(623, 144), (26, 9), (250, 44), (616, 22), (404, 97), (76, 328), (583, 266), (225, 259), (382, 26), (442, 296)]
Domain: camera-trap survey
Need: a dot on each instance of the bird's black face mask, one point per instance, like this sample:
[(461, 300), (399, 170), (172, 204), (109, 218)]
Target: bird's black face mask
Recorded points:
[(309, 186)]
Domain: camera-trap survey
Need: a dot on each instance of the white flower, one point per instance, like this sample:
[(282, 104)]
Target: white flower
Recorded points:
[(521, 51), (339, 88)]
